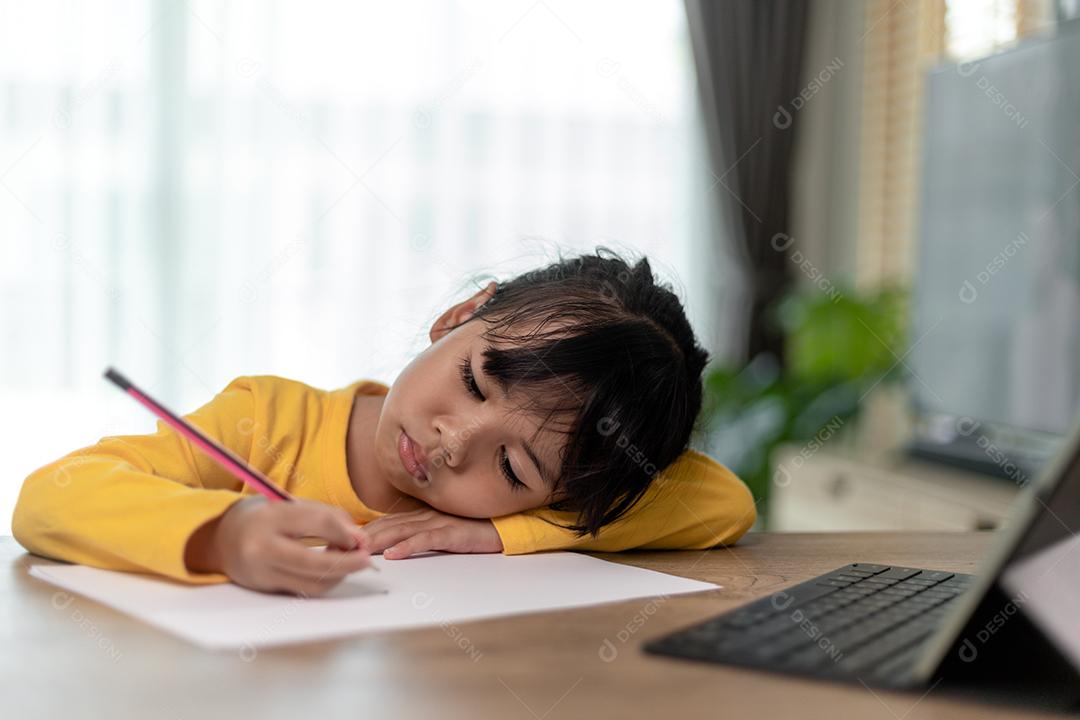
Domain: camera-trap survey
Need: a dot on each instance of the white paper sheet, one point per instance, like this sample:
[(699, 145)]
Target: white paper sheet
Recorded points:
[(424, 590)]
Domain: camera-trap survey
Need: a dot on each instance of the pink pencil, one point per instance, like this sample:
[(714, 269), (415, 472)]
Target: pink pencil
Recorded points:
[(224, 457)]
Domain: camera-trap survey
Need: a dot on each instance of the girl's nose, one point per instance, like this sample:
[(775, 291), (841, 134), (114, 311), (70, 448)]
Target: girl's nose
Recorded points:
[(457, 444)]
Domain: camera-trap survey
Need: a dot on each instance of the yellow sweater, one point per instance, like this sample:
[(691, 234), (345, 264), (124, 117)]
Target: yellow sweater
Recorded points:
[(131, 502)]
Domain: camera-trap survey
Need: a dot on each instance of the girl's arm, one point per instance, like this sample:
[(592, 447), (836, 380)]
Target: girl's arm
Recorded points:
[(694, 503), (132, 502)]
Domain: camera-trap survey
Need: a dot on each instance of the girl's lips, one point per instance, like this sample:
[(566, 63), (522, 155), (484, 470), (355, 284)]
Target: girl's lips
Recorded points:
[(411, 458)]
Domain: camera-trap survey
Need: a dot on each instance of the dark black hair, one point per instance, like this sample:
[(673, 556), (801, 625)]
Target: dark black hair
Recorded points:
[(599, 343)]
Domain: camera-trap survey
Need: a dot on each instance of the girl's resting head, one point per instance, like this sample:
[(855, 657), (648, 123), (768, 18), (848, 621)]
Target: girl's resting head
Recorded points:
[(587, 367)]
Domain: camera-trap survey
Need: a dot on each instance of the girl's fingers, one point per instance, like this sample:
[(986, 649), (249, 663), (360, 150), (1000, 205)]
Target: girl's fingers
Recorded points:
[(436, 539), (397, 518), (392, 528), (297, 558), (363, 540), (385, 537), (384, 524), (313, 519)]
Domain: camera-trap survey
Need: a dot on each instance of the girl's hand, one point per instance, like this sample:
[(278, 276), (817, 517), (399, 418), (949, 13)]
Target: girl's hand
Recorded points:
[(400, 535), (257, 544)]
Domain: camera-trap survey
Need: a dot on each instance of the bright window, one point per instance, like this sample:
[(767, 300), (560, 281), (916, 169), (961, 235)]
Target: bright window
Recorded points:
[(196, 191)]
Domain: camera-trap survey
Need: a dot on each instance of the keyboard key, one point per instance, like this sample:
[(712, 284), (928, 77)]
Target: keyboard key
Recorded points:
[(847, 578), (862, 591), (812, 613), (846, 599), (899, 592), (869, 567), (810, 658), (937, 575), (881, 648), (805, 595), (896, 666), (761, 650), (909, 588), (885, 601), (944, 593), (897, 574)]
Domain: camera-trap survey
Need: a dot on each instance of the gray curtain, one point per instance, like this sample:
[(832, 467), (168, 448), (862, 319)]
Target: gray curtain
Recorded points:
[(748, 55)]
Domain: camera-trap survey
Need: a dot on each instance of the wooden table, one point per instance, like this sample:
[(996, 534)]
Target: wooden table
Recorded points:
[(81, 659)]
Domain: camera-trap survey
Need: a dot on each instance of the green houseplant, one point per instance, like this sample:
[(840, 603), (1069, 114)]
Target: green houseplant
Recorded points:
[(839, 347)]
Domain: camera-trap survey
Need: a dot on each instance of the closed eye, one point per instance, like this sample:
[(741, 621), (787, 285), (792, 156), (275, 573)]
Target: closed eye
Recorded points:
[(473, 389), (508, 472), (468, 379)]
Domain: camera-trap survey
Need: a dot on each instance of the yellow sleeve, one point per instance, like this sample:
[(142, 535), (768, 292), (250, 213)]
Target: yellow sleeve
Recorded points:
[(694, 503), (131, 502)]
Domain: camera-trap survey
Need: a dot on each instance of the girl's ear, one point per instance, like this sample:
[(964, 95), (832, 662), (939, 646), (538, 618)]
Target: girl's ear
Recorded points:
[(461, 312)]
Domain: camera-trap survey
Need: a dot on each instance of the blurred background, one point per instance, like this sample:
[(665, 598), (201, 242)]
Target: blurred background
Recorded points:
[(868, 208)]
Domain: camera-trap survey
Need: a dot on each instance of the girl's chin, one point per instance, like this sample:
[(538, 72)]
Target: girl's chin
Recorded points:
[(408, 486), (401, 484)]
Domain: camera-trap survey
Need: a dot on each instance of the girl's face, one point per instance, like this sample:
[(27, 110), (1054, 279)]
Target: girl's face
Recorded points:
[(481, 456)]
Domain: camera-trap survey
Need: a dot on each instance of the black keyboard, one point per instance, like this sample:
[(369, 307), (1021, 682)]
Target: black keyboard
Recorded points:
[(860, 621)]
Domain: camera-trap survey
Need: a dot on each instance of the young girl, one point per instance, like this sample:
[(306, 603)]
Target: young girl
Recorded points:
[(550, 412)]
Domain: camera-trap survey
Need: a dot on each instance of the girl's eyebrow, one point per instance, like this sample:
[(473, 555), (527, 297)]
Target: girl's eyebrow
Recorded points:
[(546, 476)]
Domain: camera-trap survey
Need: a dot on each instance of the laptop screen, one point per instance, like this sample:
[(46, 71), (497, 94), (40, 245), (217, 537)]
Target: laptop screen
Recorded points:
[(1043, 574), (1035, 563)]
